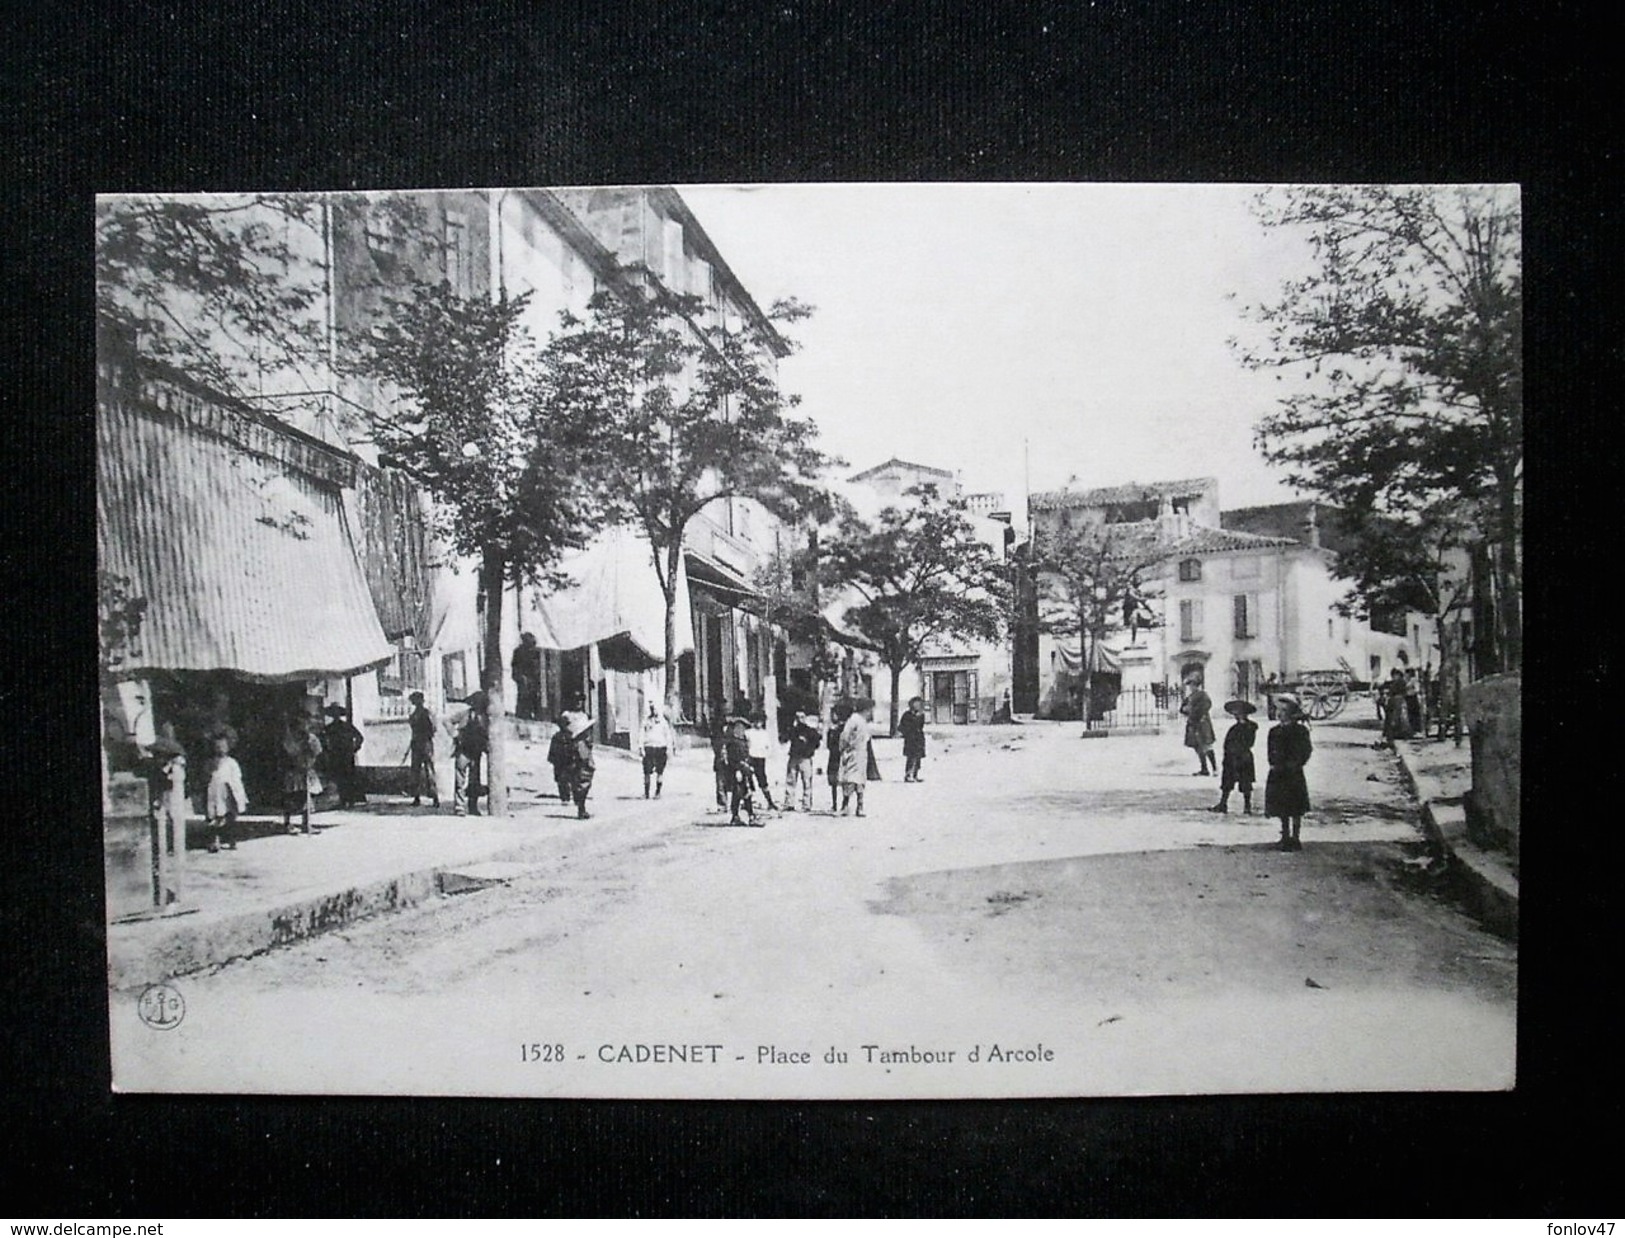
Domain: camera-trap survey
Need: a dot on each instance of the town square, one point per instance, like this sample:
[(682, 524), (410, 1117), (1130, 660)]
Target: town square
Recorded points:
[(811, 641)]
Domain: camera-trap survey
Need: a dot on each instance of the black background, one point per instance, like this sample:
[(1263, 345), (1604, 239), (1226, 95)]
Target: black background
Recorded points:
[(258, 95)]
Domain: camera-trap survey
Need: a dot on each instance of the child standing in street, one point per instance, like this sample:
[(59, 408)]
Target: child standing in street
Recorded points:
[(657, 742), (798, 770), (761, 747), (832, 754), (1236, 773), (558, 756), (1286, 791), (582, 767), (855, 757), (226, 797), (741, 778)]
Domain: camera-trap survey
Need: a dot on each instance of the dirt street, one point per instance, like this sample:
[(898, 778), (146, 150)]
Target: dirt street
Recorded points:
[(1044, 915)]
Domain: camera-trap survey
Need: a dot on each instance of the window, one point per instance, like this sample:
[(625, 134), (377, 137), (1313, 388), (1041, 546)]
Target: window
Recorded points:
[(1190, 569), (671, 236), (454, 676), (1181, 506), (1246, 614), (457, 251), (404, 673), (1190, 619), (1244, 568)]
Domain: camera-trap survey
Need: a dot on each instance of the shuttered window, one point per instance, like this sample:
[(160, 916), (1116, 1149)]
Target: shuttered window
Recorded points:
[(1190, 619)]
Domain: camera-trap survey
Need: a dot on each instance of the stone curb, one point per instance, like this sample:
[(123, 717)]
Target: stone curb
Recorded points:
[(1491, 889)]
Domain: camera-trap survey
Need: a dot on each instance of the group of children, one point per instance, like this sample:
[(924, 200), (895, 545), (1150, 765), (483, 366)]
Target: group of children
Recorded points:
[(1288, 749)]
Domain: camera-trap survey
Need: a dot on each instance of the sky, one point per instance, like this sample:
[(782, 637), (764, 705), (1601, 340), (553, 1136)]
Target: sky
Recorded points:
[(1042, 331)]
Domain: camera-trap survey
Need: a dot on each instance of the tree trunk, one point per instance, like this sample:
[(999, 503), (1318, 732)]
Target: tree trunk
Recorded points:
[(896, 683), (493, 576), (674, 563)]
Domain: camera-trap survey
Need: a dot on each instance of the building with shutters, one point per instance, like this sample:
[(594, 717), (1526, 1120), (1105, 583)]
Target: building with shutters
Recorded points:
[(1227, 602)]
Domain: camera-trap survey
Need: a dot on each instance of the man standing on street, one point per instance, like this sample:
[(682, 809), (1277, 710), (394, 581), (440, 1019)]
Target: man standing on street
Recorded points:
[(912, 727), (526, 667), (424, 779), (473, 737)]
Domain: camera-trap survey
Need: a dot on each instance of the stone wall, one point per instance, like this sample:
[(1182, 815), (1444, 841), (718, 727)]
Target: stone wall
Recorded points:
[(1492, 709)]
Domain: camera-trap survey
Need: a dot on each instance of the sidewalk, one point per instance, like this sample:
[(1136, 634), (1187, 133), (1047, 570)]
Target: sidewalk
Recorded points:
[(1440, 773), (276, 888)]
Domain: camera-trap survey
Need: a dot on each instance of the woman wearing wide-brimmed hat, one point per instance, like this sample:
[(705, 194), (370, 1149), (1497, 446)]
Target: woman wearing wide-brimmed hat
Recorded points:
[(1286, 791), (1236, 772)]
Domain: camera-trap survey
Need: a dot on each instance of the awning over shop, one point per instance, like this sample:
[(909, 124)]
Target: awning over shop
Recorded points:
[(245, 562), (615, 602), (717, 579)]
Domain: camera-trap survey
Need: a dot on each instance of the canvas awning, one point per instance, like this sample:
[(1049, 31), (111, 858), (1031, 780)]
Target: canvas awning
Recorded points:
[(245, 561), (615, 602)]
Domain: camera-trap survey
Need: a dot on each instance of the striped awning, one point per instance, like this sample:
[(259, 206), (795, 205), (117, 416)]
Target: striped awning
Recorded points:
[(245, 562)]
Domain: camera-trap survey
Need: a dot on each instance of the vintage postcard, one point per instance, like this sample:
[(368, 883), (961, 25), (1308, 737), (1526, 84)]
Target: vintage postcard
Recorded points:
[(811, 641)]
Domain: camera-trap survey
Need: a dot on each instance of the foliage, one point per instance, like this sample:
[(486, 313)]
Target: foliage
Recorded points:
[(688, 413), (1407, 338), (120, 615), (211, 282), (922, 574), (475, 426)]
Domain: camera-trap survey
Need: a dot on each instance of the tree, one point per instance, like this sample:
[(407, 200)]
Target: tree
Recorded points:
[(1407, 336), (1092, 583), (689, 413), (1418, 564), (478, 430), (922, 573), (219, 285)]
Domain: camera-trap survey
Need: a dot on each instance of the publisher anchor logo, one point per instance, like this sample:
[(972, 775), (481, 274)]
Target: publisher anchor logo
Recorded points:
[(162, 1007)]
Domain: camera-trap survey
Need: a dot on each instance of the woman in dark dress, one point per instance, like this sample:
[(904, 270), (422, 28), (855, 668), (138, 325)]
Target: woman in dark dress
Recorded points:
[(1286, 792)]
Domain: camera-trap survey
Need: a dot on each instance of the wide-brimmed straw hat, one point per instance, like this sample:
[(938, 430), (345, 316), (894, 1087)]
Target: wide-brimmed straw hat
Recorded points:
[(1239, 706)]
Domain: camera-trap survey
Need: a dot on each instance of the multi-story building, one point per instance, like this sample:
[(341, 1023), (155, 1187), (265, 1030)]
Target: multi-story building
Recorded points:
[(651, 235), (1233, 598), (349, 255), (960, 680)]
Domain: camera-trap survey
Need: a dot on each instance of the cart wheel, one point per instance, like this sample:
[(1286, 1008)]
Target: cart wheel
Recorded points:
[(1315, 706), (1332, 704)]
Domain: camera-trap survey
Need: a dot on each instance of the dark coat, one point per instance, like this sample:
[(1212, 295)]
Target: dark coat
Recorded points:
[(1286, 792), (1238, 769), (912, 728), (1198, 711)]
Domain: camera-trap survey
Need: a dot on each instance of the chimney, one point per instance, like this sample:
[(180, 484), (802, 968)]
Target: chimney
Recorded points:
[(1312, 527)]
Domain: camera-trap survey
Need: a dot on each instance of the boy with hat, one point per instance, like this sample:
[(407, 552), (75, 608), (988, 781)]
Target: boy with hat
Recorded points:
[(578, 724), (1236, 770)]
